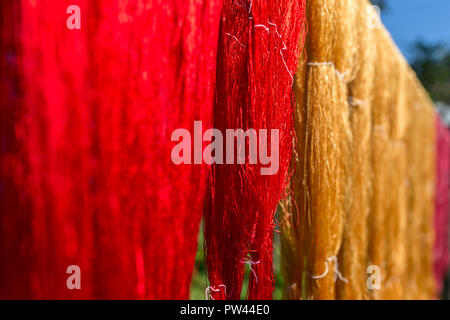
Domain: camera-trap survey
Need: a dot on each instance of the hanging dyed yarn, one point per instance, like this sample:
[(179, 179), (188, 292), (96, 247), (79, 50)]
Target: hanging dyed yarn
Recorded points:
[(259, 46), (362, 201), (94, 184), (151, 225), (441, 251), (15, 235)]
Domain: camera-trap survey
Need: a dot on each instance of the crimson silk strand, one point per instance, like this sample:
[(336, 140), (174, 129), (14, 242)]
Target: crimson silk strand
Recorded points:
[(86, 171), (259, 47)]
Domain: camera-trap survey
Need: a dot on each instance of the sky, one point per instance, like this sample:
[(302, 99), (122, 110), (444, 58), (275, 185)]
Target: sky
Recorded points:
[(411, 20)]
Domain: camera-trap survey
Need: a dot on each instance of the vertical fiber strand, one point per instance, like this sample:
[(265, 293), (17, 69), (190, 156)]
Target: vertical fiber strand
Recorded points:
[(149, 230), (258, 54), (352, 257), (324, 159), (15, 226), (94, 183), (440, 249), (57, 145)]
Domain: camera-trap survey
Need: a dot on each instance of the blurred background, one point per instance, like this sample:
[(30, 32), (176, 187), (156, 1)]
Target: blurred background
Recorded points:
[(421, 30)]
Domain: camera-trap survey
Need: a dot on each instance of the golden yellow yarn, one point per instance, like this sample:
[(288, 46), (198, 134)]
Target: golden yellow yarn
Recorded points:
[(362, 189), (352, 256)]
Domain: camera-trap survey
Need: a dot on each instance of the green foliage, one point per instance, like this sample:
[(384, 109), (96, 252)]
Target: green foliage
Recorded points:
[(432, 65)]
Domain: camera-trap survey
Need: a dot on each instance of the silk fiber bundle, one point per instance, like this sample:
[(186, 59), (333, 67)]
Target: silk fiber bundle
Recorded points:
[(353, 253), (170, 51), (259, 47), (97, 188), (360, 209), (15, 233), (420, 152), (441, 203), (325, 161), (56, 138)]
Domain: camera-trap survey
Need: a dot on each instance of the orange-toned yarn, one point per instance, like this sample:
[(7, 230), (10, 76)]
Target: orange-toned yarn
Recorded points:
[(380, 163), (352, 256), (362, 192), (322, 220), (395, 220)]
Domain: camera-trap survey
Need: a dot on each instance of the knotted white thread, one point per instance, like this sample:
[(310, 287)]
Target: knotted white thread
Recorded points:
[(240, 4), (237, 40), (355, 102), (341, 75), (211, 288), (319, 276), (284, 44), (337, 273), (250, 263)]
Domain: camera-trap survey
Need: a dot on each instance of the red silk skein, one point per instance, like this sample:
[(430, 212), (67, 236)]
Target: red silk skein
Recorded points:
[(441, 203), (259, 47), (86, 171)]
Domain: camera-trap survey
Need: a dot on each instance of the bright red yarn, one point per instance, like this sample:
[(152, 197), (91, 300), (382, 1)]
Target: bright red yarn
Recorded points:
[(86, 123), (441, 257), (259, 47), (15, 235)]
